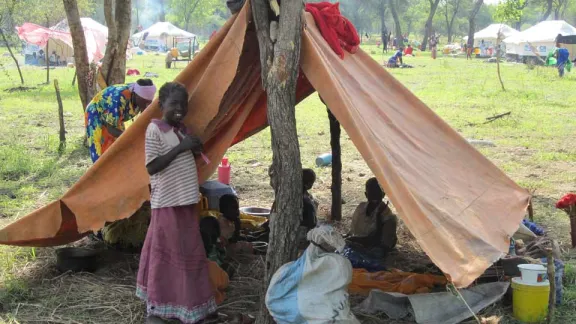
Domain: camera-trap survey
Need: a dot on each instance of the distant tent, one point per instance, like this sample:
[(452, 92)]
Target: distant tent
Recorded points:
[(490, 34), (161, 34), (541, 36), (59, 39)]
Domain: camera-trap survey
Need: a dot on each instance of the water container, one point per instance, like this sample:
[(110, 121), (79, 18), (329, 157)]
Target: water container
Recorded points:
[(213, 190), (224, 171), (530, 301), (324, 160)]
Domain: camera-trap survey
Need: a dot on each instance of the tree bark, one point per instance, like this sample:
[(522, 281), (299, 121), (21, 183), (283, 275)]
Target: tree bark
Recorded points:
[(336, 211), (12, 55), (428, 27), (80, 51), (118, 15), (397, 24), (280, 63), (472, 21)]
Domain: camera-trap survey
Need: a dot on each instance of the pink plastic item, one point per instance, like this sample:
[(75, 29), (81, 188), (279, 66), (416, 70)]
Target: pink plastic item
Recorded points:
[(205, 158), (224, 171)]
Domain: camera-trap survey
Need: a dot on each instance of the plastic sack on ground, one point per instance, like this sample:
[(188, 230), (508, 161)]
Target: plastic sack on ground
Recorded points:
[(362, 261), (313, 289)]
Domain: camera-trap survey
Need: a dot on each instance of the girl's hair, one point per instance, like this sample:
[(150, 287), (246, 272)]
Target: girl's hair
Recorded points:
[(144, 82), (172, 89)]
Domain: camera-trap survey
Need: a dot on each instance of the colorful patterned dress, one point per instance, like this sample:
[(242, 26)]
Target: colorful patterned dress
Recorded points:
[(112, 106)]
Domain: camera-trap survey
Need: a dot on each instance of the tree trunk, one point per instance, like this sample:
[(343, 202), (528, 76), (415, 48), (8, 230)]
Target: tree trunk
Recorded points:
[(397, 24), (450, 21), (428, 27), (280, 63), (118, 22), (336, 212), (472, 21), (162, 13), (80, 51), (12, 55), (383, 28), (548, 10)]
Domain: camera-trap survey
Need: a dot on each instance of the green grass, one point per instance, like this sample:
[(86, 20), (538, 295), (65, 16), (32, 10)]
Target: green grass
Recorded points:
[(534, 145)]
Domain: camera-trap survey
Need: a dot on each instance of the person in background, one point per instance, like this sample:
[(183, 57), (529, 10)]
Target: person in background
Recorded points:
[(469, 50), (397, 57), (562, 58), (109, 109), (409, 50), (173, 276), (373, 229), (220, 279), (230, 226), (169, 58), (482, 48), (308, 180), (433, 45)]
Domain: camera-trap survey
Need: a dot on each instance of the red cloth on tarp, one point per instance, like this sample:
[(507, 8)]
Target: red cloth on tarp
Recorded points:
[(338, 31)]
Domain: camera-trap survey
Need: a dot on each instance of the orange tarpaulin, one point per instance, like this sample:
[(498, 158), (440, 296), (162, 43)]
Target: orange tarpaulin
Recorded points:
[(394, 281), (460, 207)]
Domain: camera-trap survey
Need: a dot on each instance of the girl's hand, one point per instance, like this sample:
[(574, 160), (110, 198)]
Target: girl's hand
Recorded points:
[(191, 143)]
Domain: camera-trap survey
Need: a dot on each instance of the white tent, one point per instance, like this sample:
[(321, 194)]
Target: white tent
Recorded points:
[(161, 34), (490, 34), (541, 36)]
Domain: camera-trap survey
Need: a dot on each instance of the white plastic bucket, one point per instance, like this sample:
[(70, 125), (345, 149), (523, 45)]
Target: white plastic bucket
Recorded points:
[(533, 273)]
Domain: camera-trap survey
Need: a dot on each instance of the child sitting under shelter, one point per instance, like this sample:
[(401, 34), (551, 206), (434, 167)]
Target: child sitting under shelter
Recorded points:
[(230, 226), (373, 229)]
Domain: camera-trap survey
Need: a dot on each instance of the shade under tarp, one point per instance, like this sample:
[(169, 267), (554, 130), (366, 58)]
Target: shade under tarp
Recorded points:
[(461, 209)]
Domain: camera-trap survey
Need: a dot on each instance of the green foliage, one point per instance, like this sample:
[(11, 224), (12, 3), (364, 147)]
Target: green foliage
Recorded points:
[(509, 10), (186, 12)]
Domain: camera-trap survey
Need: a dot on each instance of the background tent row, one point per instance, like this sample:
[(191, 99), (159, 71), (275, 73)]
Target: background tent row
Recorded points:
[(542, 36), (59, 39), (161, 35), (490, 34), (460, 207)]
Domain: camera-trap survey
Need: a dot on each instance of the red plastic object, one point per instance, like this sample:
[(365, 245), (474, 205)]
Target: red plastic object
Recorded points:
[(224, 171)]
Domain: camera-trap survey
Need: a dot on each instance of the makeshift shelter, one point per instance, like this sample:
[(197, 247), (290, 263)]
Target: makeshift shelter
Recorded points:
[(460, 208), (160, 35), (490, 34), (59, 39), (569, 42), (540, 38)]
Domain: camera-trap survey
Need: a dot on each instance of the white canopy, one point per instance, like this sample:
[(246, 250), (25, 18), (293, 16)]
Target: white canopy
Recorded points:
[(162, 32), (542, 36), (490, 34)]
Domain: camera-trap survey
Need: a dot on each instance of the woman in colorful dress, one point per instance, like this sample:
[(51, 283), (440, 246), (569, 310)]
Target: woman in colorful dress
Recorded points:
[(173, 277), (109, 109)]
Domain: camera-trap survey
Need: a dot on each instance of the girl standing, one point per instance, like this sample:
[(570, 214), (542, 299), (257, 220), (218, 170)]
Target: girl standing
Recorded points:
[(173, 278)]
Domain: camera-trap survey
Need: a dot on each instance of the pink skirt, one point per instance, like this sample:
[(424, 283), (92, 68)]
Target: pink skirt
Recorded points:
[(173, 277)]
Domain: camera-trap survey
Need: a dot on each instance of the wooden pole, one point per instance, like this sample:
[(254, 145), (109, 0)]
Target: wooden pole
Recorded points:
[(47, 58), (531, 210), (336, 214), (60, 114), (74, 79), (552, 279)]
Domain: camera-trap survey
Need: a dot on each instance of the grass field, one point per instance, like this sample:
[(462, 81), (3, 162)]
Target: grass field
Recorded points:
[(534, 146)]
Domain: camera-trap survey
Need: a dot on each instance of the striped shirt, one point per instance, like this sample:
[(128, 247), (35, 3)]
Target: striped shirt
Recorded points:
[(177, 184)]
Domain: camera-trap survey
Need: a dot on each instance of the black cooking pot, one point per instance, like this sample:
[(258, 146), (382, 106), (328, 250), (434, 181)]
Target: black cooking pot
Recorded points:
[(77, 259)]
